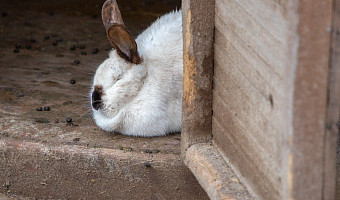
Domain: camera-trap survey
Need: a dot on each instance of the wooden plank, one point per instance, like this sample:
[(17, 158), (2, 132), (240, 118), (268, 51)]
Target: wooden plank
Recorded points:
[(331, 162), (337, 185), (245, 46), (269, 16), (236, 129), (214, 173), (264, 189), (234, 56), (260, 45), (310, 99), (198, 32), (257, 38), (252, 98), (251, 108), (262, 112), (242, 55)]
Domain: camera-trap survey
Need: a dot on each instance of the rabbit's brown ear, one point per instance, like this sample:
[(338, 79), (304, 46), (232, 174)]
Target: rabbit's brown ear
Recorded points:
[(118, 35)]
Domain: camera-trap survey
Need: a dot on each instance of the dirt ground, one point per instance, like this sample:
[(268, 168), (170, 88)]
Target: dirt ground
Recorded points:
[(48, 45)]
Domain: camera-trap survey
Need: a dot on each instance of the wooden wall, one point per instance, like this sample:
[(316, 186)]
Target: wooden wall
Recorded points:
[(198, 35), (334, 96), (270, 93)]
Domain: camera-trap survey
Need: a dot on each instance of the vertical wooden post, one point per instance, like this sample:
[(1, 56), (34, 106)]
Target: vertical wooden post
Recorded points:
[(337, 184), (309, 162), (332, 140), (198, 34)]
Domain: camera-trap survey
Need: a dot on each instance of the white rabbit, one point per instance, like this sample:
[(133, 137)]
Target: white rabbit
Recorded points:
[(139, 92)]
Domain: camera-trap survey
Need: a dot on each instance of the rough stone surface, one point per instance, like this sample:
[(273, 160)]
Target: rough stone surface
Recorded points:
[(41, 155)]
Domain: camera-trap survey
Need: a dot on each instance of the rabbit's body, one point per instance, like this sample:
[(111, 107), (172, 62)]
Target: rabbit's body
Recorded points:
[(144, 99)]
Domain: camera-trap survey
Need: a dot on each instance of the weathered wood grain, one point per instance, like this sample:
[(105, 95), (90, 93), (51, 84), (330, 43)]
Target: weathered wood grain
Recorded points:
[(337, 184), (248, 150), (242, 162), (261, 106), (198, 31), (332, 145), (257, 37), (310, 99), (252, 99), (274, 95), (214, 173), (236, 50), (238, 89)]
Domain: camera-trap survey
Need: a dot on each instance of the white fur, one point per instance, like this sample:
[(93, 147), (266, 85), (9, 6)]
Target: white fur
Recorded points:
[(145, 99)]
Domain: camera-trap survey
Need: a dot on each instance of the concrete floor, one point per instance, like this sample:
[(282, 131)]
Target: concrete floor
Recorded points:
[(40, 153)]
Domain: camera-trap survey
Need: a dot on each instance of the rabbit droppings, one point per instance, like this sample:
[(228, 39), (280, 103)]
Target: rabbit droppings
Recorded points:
[(139, 92)]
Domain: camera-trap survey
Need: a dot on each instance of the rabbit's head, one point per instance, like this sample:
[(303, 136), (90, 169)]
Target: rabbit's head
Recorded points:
[(112, 81)]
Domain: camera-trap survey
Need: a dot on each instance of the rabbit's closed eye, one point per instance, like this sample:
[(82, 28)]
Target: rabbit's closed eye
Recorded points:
[(118, 78)]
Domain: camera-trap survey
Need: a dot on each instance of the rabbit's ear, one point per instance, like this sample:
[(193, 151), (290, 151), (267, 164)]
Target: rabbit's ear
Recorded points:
[(118, 35)]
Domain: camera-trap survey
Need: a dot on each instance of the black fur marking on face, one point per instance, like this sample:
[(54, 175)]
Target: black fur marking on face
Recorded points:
[(97, 97)]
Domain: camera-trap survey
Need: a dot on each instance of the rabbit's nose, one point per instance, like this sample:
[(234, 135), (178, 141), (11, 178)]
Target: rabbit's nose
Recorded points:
[(96, 98)]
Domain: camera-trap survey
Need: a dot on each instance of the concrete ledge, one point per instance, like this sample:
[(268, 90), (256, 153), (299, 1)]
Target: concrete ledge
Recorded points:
[(75, 172), (213, 173)]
